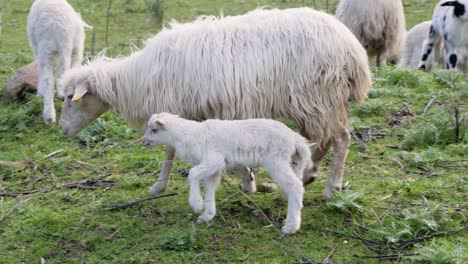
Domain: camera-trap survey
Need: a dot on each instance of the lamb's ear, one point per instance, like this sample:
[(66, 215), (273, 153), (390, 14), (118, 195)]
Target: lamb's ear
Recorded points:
[(161, 123), (86, 26), (450, 3), (80, 91)]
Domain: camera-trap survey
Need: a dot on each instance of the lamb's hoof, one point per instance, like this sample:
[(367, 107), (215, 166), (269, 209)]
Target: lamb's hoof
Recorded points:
[(197, 205), (60, 95), (205, 218), (289, 229), (156, 190), (49, 119)]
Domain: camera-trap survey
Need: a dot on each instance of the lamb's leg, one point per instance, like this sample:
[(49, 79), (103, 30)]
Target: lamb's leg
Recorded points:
[(46, 89), (163, 179), (196, 174), (340, 151), (63, 64), (248, 179), (211, 183), (450, 55), (284, 176), (77, 57), (428, 44)]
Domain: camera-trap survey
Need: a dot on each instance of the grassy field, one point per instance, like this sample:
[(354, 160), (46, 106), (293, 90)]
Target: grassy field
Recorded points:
[(405, 175)]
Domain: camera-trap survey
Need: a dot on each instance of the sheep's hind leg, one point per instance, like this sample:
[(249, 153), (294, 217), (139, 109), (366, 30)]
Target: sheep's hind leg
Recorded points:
[(211, 183), (284, 176), (163, 178), (317, 157), (45, 89), (340, 152)]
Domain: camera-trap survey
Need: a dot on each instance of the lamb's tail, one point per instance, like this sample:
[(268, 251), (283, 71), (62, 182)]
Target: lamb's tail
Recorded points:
[(304, 159)]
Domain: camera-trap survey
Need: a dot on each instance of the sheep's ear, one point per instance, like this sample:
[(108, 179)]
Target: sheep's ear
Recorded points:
[(450, 3), (80, 91), (161, 123)]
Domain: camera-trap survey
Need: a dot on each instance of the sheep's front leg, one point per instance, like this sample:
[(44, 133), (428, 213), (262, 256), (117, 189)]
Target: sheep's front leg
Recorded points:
[(427, 48), (211, 183), (196, 174), (163, 179)]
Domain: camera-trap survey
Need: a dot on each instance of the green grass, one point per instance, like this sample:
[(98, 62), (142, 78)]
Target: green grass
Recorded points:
[(411, 182)]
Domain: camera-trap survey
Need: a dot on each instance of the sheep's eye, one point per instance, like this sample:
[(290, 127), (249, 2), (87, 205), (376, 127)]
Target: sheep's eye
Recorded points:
[(154, 131)]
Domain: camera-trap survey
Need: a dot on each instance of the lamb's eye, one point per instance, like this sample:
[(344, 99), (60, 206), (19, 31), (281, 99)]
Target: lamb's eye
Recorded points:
[(70, 97), (154, 131)]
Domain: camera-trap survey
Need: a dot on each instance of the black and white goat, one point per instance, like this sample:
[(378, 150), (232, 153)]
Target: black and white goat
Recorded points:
[(449, 22)]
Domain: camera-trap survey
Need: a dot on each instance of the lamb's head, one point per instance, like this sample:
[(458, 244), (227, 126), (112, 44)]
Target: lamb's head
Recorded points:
[(81, 105), (460, 8), (157, 132)]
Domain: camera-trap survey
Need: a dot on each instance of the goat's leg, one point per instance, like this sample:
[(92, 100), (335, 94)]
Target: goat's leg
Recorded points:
[(428, 44), (450, 55), (211, 183), (284, 176), (340, 152), (163, 178), (45, 88)]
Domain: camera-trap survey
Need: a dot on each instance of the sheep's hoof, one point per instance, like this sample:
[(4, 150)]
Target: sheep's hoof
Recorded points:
[(329, 191), (290, 229), (156, 190)]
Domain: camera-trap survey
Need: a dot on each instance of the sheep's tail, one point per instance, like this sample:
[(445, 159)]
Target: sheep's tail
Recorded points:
[(304, 161), (359, 75)]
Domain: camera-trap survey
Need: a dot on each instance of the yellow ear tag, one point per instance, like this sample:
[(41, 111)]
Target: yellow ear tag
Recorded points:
[(77, 98)]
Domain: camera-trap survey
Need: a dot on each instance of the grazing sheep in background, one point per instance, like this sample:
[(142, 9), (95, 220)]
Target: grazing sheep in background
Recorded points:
[(215, 145), (449, 22), (378, 24), (297, 63), (55, 31), (25, 79)]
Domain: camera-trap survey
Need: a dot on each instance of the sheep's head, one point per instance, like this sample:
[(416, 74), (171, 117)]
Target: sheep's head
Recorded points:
[(156, 133), (80, 107), (460, 8)]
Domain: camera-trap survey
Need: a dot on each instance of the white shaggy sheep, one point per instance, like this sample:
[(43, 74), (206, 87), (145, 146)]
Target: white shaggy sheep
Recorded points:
[(298, 63), (378, 24), (55, 31), (449, 22), (215, 145)]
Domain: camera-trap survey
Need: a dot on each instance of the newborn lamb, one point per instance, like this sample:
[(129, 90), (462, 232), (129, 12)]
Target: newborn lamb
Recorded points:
[(215, 145)]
